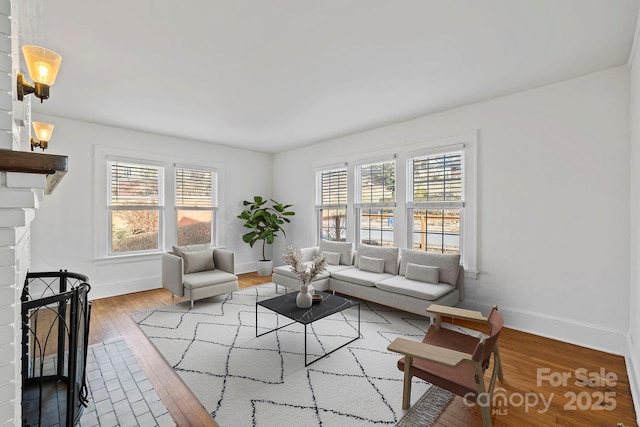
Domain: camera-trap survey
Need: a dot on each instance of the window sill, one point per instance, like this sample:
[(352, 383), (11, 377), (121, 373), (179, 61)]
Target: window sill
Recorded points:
[(125, 258)]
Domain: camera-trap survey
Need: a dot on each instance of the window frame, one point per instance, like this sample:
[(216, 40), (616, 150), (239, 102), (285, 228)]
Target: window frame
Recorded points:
[(111, 208), (440, 205), (214, 199), (360, 206), (320, 206)]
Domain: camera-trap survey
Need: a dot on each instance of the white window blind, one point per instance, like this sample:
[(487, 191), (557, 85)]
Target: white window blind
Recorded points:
[(333, 187), (436, 178), (134, 185), (194, 188), (377, 183)]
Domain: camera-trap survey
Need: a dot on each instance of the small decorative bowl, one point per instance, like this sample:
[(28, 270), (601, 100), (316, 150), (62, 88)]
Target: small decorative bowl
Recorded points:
[(317, 298)]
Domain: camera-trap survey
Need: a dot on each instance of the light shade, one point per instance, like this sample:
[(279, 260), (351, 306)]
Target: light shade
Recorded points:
[(43, 130), (43, 64)]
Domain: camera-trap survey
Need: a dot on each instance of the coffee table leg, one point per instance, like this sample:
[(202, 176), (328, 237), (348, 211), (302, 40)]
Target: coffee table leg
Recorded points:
[(305, 345)]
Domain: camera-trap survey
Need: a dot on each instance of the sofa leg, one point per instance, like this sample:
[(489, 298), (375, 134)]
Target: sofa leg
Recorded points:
[(191, 303), (231, 297)]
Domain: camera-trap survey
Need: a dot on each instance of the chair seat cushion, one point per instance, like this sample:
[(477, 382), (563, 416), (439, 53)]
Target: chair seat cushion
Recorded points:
[(414, 288), (207, 278)]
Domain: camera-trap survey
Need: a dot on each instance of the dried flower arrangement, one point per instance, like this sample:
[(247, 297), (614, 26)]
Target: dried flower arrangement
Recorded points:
[(293, 257)]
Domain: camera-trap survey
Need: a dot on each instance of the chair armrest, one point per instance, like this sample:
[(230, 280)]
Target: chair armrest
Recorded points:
[(172, 273), (458, 313), (419, 350), (224, 260)]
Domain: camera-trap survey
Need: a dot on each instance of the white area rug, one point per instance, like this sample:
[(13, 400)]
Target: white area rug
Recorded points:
[(243, 380)]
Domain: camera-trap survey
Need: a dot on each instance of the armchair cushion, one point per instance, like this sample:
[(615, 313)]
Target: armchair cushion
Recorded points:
[(195, 262), (179, 250)]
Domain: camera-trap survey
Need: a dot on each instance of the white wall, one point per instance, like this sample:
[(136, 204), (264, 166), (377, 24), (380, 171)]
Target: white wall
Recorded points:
[(633, 359), (69, 223), (553, 202)]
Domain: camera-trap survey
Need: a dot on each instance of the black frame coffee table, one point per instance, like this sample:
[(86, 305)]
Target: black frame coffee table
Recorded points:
[(285, 305)]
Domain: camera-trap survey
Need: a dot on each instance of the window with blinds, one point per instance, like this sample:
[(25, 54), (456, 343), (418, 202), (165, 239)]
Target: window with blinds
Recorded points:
[(332, 204), (135, 205), (436, 201), (376, 185), (195, 205)]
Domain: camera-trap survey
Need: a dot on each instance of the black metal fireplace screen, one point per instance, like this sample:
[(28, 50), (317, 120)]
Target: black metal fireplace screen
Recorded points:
[(55, 331)]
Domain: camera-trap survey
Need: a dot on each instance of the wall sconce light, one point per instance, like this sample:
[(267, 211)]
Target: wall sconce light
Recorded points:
[(43, 65), (43, 132)]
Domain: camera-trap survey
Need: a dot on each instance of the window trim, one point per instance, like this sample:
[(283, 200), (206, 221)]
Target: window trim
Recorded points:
[(214, 209), (160, 207), (359, 206), (334, 206), (468, 144)]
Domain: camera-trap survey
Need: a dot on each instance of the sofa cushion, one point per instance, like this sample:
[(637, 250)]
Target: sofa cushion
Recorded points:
[(422, 273), (413, 288), (389, 255), (333, 258), (345, 249), (449, 264), (207, 278), (374, 265), (196, 261), (360, 277)]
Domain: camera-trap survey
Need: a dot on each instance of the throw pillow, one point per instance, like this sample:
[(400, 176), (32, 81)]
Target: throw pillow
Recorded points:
[(198, 261), (179, 250), (375, 265), (333, 258), (423, 273)]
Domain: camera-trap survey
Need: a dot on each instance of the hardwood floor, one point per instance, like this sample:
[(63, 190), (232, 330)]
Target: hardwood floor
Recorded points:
[(580, 400)]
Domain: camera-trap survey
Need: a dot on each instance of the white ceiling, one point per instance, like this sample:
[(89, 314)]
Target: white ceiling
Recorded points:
[(270, 75)]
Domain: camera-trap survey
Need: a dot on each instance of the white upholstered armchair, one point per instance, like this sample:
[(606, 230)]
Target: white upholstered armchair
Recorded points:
[(199, 271)]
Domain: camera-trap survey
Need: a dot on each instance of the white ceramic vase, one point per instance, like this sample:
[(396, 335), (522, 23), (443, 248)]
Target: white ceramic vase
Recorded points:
[(304, 299)]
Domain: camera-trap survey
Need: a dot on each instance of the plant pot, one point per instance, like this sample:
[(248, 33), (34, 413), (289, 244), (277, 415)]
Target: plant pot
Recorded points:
[(264, 268)]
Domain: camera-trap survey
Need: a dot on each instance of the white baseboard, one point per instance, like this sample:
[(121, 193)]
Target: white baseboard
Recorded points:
[(579, 333), (633, 371), (105, 290), (245, 267)]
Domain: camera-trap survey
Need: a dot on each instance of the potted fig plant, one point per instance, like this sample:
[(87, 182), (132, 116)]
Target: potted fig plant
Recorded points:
[(265, 220)]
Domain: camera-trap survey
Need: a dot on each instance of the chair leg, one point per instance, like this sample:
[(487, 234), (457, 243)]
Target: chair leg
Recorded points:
[(231, 295), (406, 391), (498, 362), (486, 415)]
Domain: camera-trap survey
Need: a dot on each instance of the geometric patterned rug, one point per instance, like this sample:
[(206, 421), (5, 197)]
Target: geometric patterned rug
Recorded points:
[(244, 380)]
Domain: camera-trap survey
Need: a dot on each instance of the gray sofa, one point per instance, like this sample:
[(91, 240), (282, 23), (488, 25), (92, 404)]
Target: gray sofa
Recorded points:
[(405, 279), (199, 271)]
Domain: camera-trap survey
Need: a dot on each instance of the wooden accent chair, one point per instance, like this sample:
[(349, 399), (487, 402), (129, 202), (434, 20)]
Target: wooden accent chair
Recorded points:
[(453, 360)]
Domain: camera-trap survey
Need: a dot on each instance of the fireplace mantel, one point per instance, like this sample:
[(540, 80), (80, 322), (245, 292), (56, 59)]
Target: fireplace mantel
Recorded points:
[(52, 165)]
